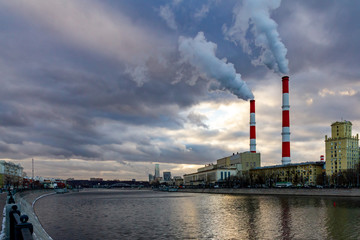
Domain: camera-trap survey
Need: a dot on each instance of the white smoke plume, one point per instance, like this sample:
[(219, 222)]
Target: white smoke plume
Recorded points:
[(167, 14), (254, 16), (201, 54)]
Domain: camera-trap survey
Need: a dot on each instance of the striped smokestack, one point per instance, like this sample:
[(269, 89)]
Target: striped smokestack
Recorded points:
[(285, 122), (252, 127)]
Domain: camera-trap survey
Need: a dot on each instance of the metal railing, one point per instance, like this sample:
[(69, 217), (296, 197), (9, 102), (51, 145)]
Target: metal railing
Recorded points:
[(19, 228)]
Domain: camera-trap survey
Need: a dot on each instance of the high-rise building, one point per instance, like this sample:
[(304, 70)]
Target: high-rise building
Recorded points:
[(342, 149), (151, 177), (157, 171), (167, 176)]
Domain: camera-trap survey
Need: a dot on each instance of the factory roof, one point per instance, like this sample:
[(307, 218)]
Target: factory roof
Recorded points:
[(214, 169)]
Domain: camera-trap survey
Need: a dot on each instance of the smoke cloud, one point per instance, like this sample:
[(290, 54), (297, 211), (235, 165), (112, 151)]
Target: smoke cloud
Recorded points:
[(201, 54), (253, 16)]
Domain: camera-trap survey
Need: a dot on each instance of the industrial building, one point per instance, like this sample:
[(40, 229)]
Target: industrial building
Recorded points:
[(209, 176), (310, 173), (341, 149), (293, 173), (224, 169), (178, 180)]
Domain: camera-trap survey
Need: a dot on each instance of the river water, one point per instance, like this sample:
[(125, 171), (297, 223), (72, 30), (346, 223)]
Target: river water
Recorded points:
[(139, 214)]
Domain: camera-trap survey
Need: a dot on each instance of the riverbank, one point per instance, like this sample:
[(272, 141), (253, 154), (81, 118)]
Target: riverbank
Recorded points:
[(355, 192), (3, 198), (26, 201)]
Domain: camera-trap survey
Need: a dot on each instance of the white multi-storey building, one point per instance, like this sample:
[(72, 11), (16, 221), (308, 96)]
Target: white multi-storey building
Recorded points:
[(10, 173)]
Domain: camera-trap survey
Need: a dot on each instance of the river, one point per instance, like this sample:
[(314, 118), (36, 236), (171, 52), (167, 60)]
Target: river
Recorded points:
[(138, 214)]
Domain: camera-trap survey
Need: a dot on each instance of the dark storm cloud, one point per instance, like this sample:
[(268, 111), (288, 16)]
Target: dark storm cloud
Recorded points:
[(236, 135), (61, 109), (320, 33), (4, 148), (197, 119), (193, 154), (61, 98), (11, 117)]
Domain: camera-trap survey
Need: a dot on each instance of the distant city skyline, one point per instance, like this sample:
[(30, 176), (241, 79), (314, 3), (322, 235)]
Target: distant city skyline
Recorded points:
[(108, 89)]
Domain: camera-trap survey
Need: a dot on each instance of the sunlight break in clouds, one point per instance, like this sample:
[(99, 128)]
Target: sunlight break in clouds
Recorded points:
[(326, 92)]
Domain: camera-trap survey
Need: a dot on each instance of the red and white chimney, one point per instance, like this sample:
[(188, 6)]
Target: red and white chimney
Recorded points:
[(285, 122), (252, 127)]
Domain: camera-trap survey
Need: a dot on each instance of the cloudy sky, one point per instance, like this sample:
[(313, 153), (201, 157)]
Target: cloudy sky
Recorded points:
[(108, 88)]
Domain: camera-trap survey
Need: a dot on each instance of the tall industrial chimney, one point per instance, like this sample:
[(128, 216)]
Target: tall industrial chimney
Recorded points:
[(252, 127), (285, 122)]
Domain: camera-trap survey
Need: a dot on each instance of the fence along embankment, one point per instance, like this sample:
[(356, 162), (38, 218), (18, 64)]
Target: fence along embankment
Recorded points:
[(26, 201)]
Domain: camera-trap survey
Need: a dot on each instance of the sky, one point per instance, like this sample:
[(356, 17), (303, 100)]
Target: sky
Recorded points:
[(109, 88)]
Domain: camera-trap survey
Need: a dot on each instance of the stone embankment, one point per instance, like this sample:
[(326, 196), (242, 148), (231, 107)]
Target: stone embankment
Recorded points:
[(26, 200), (3, 197), (338, 192)]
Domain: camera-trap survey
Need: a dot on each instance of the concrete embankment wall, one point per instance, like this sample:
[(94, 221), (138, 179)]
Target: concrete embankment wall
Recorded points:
[(280, 191), (26, 200)]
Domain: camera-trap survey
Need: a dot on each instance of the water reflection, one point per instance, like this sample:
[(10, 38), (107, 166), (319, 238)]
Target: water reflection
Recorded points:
[(285, 219), (119, 214), (187, 218), (252, 205)]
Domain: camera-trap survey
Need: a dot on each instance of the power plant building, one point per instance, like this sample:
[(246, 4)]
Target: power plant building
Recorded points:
[(295, 173), (341, 149), (224, 169)]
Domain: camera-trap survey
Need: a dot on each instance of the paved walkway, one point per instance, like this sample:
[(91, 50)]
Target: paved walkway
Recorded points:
[(3, 197), (25, 200)]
